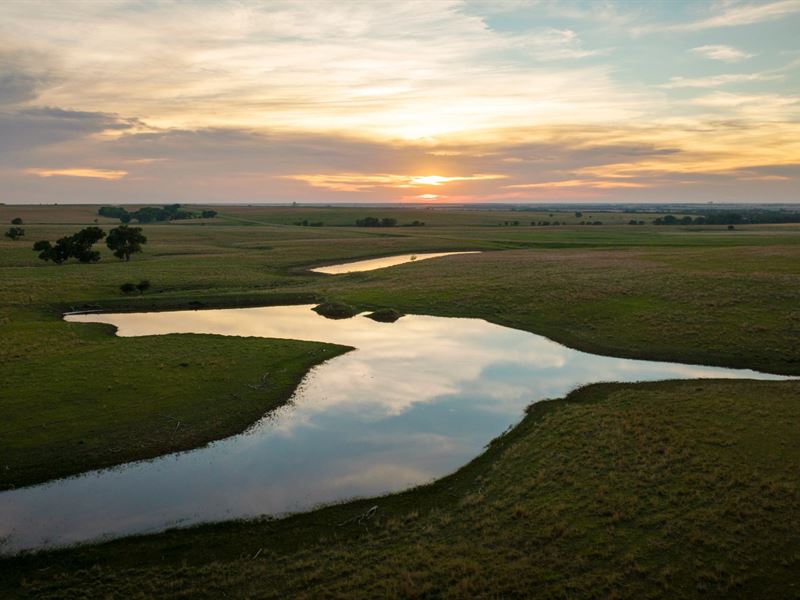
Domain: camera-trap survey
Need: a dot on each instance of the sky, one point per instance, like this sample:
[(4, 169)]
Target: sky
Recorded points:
[(436, 101)]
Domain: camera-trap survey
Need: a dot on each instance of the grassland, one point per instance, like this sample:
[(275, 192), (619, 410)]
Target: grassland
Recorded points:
[(670, 489), (693, 294)]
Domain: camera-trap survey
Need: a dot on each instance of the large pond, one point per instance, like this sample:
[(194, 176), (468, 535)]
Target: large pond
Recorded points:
[(417, 399), (381, 263)]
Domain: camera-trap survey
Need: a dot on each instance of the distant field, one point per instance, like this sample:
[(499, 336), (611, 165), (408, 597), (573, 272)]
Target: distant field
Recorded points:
[(335, 216)]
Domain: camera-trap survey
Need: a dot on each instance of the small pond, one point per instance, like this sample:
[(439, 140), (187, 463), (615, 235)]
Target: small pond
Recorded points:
[(416, 400), (381, 263)]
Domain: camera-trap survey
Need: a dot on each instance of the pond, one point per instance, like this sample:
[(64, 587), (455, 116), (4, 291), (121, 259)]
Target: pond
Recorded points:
[(381, 263), (416, 400)]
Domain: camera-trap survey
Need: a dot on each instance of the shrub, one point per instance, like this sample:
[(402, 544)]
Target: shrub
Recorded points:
[(128, 288), (16, 221), (15, 233), (143, 286), (385, 315), (336, 310)]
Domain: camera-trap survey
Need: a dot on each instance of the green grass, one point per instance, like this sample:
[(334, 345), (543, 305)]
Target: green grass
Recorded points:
[(717, 297), (669, 489), (84, 399)]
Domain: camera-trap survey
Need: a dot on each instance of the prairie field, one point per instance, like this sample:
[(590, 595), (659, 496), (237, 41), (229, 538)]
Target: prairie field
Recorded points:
[(683, 488)]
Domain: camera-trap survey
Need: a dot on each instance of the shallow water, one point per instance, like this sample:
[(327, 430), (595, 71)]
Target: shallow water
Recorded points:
[(381, 263), (417, 399)]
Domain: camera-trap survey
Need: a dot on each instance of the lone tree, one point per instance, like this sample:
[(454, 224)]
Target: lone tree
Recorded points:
[(15, 233), (77, 245), (125, 240), (16, 221)]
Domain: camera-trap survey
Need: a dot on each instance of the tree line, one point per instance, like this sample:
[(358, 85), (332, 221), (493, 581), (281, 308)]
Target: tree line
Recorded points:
[(149, 214), (385, 222), (731, 218)]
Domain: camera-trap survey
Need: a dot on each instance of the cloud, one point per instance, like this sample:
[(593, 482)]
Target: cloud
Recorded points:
[(26, 129), (721, 52), (358, 101), (78, 172), (17, 87), (728, 15), (716, 80), (579, 183), (357, 182)]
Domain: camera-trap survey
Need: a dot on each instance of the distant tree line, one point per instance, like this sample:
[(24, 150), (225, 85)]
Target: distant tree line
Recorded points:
[(731, 218), (123, 241), (149, 214), (376, 222)]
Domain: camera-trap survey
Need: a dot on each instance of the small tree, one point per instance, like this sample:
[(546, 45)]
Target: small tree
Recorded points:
[(16, 221), (143, 286), (125, 240), (15, 233), (127, 288)]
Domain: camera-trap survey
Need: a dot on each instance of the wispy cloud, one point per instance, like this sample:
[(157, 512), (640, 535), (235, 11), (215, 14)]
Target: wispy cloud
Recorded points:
[(356, 182), (728, 15), (721, 52), (78, 172), (579, 183), (716, 80)]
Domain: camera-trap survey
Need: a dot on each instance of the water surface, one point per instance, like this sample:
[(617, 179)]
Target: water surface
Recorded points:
[(417, 399), (381, 263)]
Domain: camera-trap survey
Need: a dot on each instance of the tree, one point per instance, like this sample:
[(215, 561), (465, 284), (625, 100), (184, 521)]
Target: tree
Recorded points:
[(77, 245), (143, 286), (16, 221), (114, 212), (15, 233), (81, 244), (127, 288), (125, 240), (208, 214)]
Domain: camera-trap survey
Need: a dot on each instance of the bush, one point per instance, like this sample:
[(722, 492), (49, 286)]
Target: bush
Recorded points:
[(128, 288), (15, 233), (385, 315), (336, 310), (143, 286), (16, 221)]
